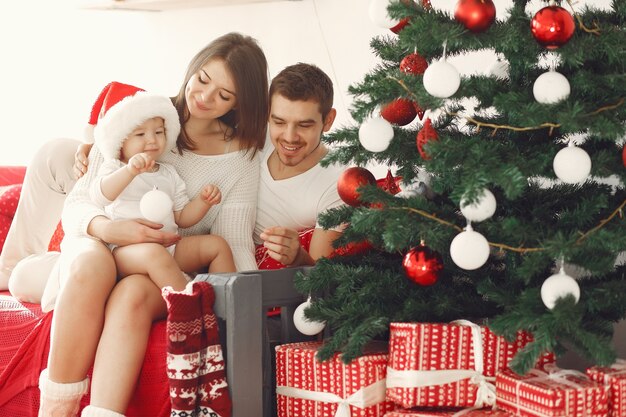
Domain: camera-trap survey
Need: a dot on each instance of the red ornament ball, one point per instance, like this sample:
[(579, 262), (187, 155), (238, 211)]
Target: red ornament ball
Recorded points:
[(426, 134), (350, 180), (413, 64), (475, 15), (624, 155), (401, 111), (401, 24), (422, 265), (552, 26)]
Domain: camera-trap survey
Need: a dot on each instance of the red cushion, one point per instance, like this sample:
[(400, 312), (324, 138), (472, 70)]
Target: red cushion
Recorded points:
[(12, 174), (9, 196)]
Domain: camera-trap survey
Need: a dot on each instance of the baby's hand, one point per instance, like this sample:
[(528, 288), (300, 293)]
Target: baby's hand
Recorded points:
[(211, 195), (140, 163)]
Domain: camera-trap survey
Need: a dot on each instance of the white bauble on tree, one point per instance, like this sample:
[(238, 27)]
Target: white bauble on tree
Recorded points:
[(441, 79), (469, 250), (551, 87), (483, 208), (557, 286), (303, 324), (156, 205), (378, 14), (375, 134), (572, 164)]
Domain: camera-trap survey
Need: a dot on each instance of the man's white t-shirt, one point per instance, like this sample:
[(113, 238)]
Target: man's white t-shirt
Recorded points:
[(295, 202)]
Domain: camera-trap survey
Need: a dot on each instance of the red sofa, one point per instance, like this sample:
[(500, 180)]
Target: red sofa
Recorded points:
[(24, 339)]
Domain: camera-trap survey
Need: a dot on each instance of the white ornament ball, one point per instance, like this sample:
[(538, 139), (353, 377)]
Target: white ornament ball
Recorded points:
[(441, 79), (156, 206), (572, 165), (469, 250), (303, 324), (375, 134), (378, 14), (481, 209), (557, 286), (551, 87)]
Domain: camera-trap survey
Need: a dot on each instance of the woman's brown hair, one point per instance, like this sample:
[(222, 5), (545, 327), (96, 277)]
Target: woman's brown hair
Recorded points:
[(246, 62)]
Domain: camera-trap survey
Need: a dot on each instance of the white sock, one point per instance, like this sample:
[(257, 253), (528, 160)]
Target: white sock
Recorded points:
[(91, 411), (61, 390)]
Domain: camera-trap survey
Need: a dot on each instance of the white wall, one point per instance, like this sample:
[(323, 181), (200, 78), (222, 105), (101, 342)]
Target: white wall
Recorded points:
[(56, 58)]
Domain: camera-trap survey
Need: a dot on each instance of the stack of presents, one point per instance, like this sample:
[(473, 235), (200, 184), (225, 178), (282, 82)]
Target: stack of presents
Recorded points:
[(456, 369)]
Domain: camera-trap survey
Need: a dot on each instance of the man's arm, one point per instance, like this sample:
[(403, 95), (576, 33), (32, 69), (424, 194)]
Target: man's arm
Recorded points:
[(283, 245)]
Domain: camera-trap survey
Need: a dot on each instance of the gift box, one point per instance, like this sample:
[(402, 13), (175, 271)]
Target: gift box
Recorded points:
[(449, 412), (447, 365), (307, 387), (556, 393), (615, 378)]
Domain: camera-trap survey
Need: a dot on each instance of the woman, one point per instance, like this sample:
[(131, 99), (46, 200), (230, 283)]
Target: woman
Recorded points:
[(222, 106)]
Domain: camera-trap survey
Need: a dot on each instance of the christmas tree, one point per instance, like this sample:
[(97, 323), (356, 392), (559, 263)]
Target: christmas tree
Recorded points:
[(511, 213)]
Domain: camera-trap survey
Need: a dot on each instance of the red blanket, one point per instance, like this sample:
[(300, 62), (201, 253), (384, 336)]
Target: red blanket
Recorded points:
[(24, 344)]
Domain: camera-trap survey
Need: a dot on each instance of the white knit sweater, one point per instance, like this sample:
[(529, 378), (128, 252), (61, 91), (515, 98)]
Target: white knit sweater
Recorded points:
[(236, 175)]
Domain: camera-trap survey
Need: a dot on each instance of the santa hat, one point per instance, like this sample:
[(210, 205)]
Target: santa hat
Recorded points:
[(120, 108)]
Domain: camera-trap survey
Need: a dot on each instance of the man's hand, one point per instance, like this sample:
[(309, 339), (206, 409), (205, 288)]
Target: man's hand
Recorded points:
[(128, 232), (211, 195), (81, 159), (283, 245), (140, 163)]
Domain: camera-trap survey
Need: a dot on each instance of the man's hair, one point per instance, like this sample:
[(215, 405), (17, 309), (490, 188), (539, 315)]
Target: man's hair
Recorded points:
[(302, 82)]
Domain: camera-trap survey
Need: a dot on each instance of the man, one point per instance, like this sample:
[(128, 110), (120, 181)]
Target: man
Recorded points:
[(294, 187)]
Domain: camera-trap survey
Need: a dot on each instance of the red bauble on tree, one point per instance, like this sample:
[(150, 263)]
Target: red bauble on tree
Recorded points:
[(426, 134), (552, 26), (350, 180), (624, 155), (413, 64), (401, 111), (475, 15), (422, 265)]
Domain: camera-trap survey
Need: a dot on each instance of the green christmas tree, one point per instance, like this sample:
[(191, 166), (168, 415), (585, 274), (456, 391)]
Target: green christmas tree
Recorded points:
[(498, 133)]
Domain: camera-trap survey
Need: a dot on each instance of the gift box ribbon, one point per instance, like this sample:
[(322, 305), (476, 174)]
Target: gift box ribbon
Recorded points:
[(365, 397), (486, 393)]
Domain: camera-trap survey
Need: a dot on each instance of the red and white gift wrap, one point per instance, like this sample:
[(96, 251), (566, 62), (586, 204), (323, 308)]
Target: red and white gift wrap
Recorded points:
[(446, 365), (559, 393), (615, 377), (433, 412), (308, 387)]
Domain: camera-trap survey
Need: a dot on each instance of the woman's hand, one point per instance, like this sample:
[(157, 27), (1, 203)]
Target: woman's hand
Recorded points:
[(128, 232), (81, 159)]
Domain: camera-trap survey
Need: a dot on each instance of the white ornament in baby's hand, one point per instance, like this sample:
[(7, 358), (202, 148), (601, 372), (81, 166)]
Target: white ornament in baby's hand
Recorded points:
[(156, 205)]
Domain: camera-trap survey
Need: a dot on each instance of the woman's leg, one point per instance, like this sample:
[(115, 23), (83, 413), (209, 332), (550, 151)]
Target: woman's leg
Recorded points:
[(76, 328), (48, 179), (132, 307)]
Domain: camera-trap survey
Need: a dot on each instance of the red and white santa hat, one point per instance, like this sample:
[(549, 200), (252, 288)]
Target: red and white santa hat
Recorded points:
[(120, 108)]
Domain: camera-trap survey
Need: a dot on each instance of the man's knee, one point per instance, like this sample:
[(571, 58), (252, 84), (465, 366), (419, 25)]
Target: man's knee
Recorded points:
[(29, 277)]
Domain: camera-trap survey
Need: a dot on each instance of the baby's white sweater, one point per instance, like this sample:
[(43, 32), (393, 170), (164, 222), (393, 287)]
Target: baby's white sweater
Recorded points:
[(235, 174)]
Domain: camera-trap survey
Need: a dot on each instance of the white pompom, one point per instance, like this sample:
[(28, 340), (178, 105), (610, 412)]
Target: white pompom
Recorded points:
[(375, 134), (469, 250), (156, 206), (441, 79), (378, 14), (481, 209), (551, 87), (303, 324), (572, 164), (557, 286)]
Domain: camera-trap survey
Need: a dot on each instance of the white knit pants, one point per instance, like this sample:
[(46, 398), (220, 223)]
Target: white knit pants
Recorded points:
[(49, 178)]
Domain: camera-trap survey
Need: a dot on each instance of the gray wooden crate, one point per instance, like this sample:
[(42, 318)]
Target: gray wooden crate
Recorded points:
[(241, 302)]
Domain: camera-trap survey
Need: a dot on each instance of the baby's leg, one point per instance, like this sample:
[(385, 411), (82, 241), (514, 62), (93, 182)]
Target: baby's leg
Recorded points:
[(151, 259), (194, 253)]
